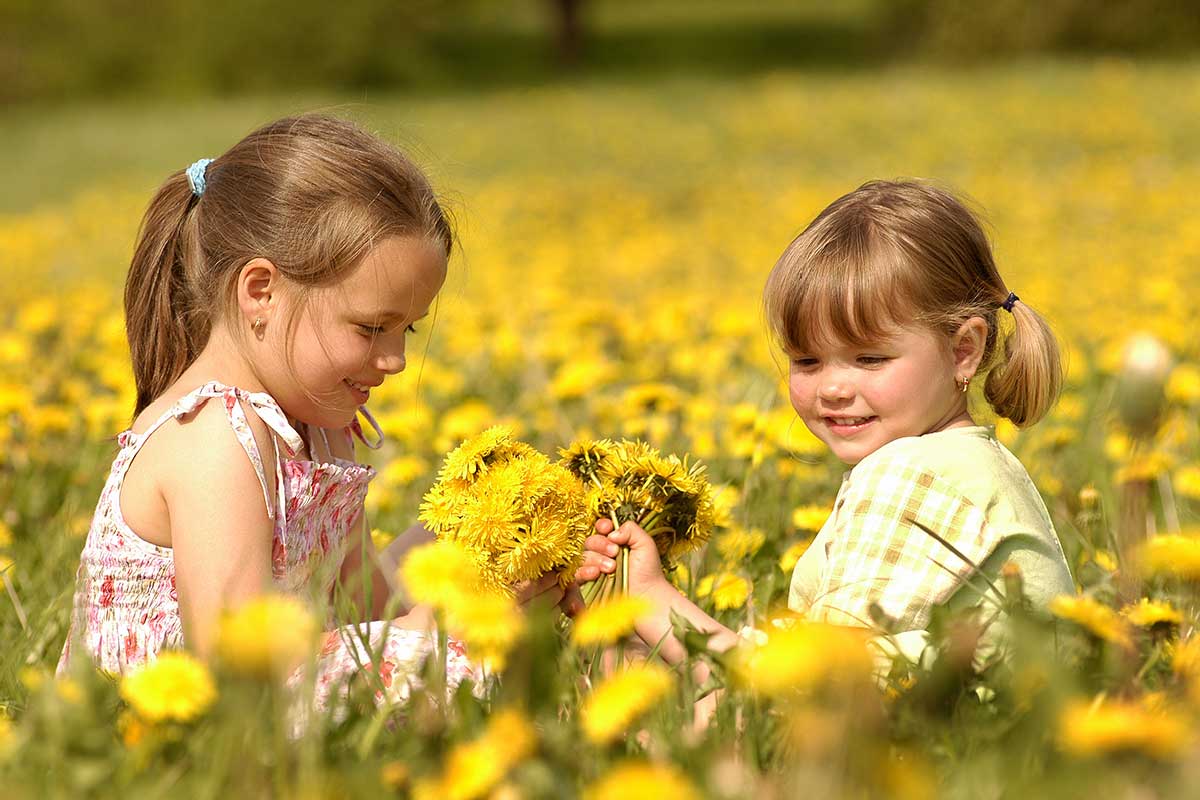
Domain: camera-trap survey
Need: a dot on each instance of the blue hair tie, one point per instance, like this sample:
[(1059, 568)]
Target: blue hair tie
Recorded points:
[(1009, 301), (195, 176)]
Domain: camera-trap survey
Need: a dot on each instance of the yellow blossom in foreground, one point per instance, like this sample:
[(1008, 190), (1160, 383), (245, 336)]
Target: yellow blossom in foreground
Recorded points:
[(620, 699), (1175, 555), (7, 737), (489, 623), (1187, 481), (267, 636), (174, 687), (727, 589), (637, 780), (739, 544), (473, 769), (381, 538), (442, 574), (802, 656), (1093, 729), (1185, 660), (1097, 618), (1183, 386), (1146, 613), (810, 517), (132, 729), (608, 621), (787, 561)]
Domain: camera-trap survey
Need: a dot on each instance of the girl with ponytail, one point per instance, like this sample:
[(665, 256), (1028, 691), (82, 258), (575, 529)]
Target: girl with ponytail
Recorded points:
[(271, 290), (888, 307)]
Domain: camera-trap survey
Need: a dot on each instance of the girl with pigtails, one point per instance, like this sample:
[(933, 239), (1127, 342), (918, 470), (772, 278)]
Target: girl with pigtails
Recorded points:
[(271, 289), (888, 308)]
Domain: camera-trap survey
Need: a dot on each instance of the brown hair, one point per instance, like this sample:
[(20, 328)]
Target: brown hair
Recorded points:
[(312, 194), (903, 252)]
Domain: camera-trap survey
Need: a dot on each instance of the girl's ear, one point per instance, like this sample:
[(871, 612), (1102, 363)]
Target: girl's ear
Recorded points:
[(257, 284), (968, 344)]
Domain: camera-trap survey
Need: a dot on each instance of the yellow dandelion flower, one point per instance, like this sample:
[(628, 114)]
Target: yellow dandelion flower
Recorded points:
[(471, 458), (801, 656), (740, 544), (1183, 385), (636, 780), (268, 636), (381, 538), (1175, 555), (623, 697), (131, 728), (787, 561), (728, 590), (609, 621), (1185, 659), (440, 574), (1146, 613), (175, 687), (489, 623), (473, 769), (1105, 560), (810, 517), (6, 536), (1187, 481), (1091, 729), (395, 775), (1100, 620), (8, 738), (6, 564)]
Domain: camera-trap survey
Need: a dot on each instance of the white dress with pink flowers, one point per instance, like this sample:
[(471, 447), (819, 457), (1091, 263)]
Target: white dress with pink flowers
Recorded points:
[(126, 609)]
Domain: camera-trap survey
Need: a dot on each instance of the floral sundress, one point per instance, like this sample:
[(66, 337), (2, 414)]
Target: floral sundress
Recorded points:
[(126, 609)]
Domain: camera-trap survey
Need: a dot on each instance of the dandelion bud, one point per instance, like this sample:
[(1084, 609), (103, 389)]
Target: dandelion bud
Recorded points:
[(1140, 398), (1089, 498)]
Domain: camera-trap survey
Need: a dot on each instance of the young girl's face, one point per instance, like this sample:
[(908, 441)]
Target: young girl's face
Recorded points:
[(351, 336), (857, 398)]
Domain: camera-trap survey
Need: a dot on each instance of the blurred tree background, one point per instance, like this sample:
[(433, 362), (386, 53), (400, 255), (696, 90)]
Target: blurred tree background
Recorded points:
[(58, 49)]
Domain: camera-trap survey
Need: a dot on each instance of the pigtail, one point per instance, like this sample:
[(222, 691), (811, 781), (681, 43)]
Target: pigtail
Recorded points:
[(1025, 383), (158, 315)]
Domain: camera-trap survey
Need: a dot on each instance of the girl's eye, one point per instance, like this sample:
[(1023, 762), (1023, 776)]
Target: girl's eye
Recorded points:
[(804, 362), (872, 361), (370, 330)]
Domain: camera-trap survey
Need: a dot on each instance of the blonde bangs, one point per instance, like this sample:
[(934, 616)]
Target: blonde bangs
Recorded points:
[(850, 295)]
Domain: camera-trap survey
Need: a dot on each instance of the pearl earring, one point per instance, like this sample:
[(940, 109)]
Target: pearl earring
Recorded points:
[(257, 326)]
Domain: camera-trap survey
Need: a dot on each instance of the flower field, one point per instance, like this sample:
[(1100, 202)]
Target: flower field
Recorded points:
[(613, 245)]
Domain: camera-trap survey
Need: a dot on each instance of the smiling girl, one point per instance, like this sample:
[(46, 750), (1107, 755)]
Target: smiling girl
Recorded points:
[(271, 289), (888, 307)]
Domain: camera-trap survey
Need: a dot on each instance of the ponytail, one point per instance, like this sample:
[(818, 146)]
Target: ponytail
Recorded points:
[(159, 318), (1023, 386)]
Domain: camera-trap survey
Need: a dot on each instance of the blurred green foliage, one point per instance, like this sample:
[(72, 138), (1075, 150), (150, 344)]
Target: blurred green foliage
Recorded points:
[(61, 49), (963, 29)]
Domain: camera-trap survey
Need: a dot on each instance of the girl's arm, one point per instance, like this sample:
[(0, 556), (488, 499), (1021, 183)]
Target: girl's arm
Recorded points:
[(221, 536), (647, 580)]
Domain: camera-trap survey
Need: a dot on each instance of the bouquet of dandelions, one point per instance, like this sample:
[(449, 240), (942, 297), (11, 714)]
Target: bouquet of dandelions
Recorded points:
[(669, 497), (518, 514)]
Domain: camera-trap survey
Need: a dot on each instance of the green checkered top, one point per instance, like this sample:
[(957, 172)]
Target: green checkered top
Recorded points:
[(923, 521)]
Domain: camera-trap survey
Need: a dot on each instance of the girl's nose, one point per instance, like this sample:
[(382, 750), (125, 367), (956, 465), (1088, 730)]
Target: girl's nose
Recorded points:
[(391, 363), (835, 386)]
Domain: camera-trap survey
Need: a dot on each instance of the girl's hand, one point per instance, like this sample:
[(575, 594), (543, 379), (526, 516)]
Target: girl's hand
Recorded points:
[(543, 590), (645, 570)]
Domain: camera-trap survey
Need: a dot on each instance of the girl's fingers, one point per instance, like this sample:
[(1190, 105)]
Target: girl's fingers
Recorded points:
[(601, 544), (572, 602), (604, 526), (602, 563)]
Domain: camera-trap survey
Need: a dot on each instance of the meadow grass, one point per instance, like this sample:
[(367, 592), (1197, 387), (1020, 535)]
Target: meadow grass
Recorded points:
[(615, 235)]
